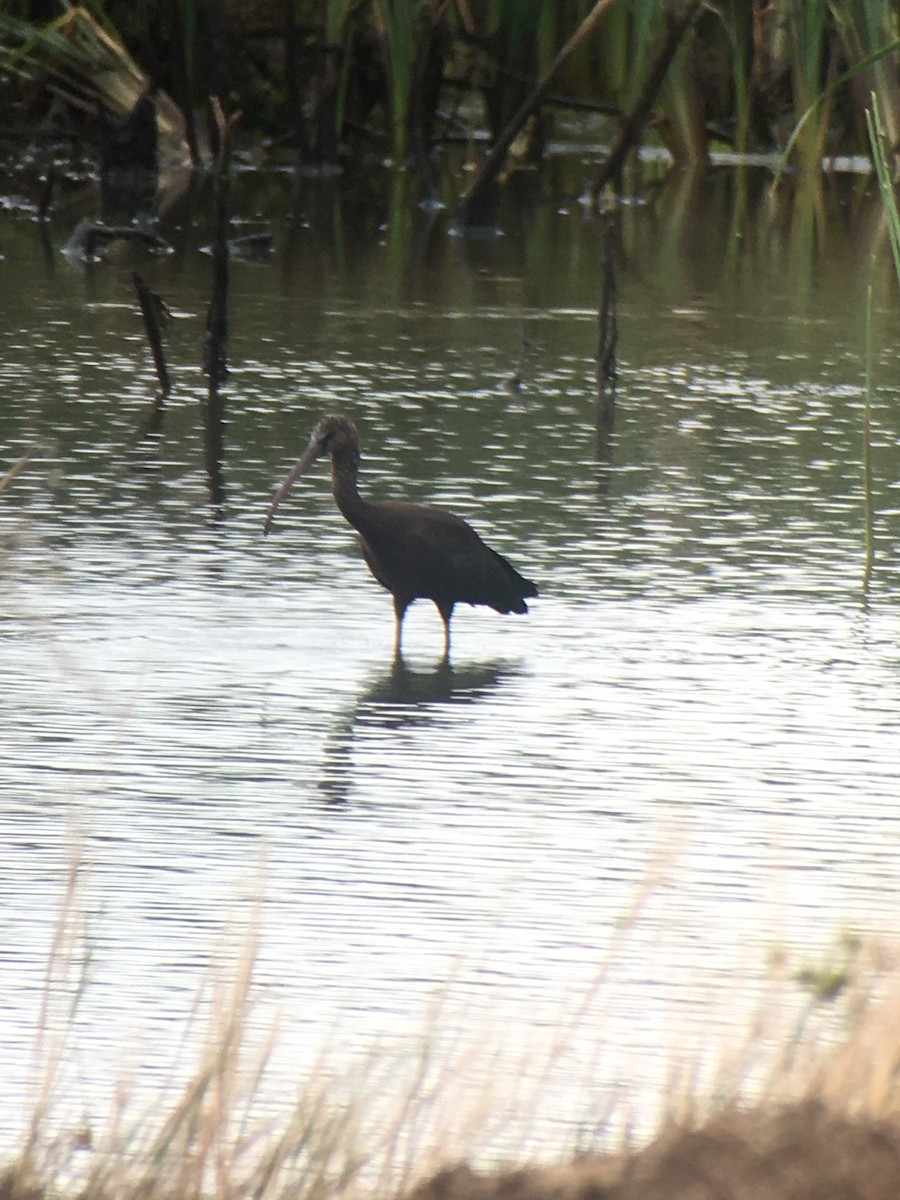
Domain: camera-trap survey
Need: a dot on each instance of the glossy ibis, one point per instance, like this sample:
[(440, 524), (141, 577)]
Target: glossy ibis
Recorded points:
[(415, 551)]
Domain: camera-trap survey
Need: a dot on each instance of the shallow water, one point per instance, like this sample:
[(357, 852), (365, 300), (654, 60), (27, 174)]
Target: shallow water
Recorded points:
[(577, 852)]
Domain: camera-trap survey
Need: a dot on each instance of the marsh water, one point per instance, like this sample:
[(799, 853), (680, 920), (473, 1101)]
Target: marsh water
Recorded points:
[(544, 883)]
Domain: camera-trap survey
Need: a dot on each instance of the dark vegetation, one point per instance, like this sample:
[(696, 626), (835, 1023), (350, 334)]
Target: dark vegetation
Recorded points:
[(326, 84)]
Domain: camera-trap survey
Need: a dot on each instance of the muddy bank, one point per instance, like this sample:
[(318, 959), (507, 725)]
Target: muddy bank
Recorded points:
[(796, 1153)]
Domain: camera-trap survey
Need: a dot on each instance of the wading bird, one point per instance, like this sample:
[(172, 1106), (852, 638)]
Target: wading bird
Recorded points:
[(415, 551)]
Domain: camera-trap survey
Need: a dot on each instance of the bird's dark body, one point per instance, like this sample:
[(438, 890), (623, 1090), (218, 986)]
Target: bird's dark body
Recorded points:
[(423, 553), (415, 551)]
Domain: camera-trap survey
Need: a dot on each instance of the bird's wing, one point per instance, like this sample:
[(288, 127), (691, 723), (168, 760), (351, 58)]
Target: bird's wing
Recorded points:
[(419, 551)]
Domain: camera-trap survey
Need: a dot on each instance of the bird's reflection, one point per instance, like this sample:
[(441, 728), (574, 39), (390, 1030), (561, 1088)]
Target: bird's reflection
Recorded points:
[(400, 698)]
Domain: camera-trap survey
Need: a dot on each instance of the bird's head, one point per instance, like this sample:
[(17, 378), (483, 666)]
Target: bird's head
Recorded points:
[(334, 435)]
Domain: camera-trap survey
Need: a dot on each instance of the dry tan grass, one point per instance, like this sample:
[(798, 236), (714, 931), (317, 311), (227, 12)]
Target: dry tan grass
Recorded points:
[(824, 1122), (826, 1125)]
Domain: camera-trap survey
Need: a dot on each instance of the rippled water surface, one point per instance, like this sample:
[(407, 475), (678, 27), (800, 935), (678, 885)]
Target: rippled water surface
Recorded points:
[(567, 863)]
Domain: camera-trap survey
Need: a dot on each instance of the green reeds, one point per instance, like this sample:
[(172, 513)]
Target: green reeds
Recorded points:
[(822, 101), (396, 23), (865, 26), (807, 32), (746, 73), (737, 20)]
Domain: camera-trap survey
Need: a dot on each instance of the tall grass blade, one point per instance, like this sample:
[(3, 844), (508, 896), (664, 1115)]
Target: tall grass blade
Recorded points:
[(869, 508), (877, 141)]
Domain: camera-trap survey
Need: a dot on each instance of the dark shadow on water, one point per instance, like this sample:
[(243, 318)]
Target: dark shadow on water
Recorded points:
[(399, 699)]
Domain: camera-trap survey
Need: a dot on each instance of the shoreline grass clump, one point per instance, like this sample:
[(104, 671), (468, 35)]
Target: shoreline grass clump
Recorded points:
[(208, 1139), (816, 1114)]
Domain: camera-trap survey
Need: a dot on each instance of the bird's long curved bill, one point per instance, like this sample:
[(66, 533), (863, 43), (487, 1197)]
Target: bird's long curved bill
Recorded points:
[(303, 463)]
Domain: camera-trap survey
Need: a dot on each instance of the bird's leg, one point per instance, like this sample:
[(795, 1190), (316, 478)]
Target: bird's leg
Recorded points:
[(400, 607), (446, 611)]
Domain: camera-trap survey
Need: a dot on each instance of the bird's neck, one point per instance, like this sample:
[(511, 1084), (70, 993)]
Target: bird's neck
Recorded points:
[(344, 476)]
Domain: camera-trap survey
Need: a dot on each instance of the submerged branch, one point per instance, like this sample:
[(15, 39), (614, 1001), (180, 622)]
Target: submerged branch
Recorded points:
[(152, 309)]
